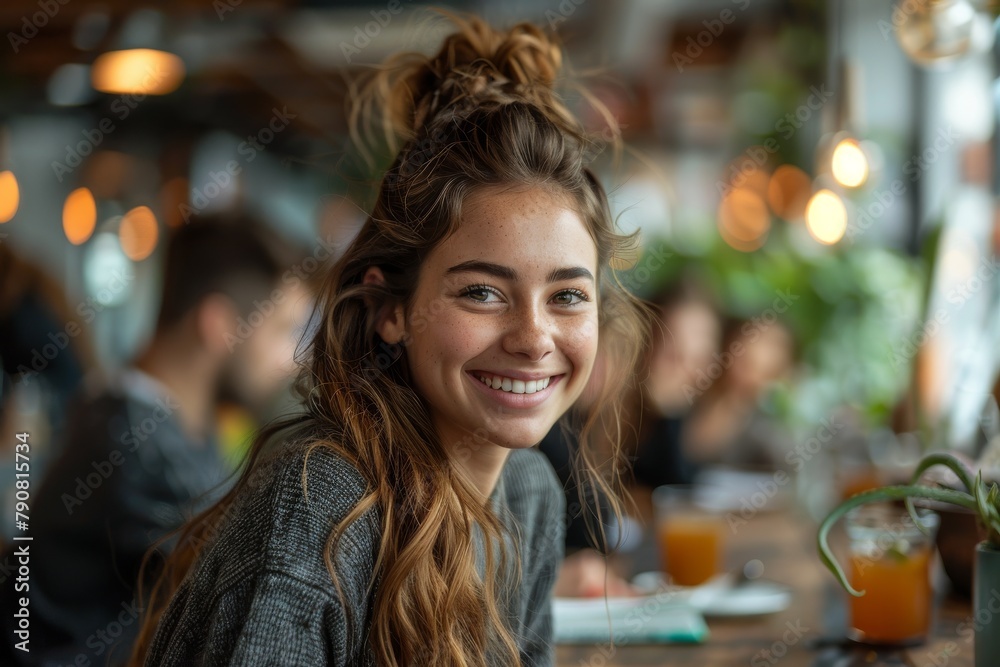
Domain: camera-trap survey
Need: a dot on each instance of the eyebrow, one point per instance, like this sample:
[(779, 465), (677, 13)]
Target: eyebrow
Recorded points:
[(507, 273)]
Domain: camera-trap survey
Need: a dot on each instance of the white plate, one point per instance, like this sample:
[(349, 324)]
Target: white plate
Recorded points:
[(717, 598)]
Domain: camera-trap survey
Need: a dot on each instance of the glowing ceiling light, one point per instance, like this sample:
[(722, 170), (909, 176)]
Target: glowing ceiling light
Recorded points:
[(10, 196), (849, 164), (137, 71), (826, 217)]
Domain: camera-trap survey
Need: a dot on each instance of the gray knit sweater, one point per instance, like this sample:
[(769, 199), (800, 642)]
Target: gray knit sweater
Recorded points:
[(261, 593)]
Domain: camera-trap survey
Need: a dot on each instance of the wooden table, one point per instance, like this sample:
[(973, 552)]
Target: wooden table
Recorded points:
[(808, 633)]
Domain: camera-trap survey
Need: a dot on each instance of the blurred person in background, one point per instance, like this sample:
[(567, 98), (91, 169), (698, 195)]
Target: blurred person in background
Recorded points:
[(728, 425), (685, 340), (141, 453), (46, 353)]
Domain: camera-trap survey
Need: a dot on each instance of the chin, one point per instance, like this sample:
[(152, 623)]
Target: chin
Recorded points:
[(523, 439)]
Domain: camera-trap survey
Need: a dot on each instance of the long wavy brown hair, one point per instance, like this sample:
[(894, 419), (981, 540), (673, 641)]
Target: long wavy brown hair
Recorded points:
[(481, 112)]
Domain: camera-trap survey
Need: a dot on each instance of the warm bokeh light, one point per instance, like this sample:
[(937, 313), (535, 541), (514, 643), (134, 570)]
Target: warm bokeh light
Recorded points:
[(826, 217), (788, 192), (849, 164), (743, 219), (137, 71), (79, 215), (10, 196), (749, 170), (138, 233)]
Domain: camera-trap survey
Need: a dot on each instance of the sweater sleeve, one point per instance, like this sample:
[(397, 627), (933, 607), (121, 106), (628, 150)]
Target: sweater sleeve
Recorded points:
[(287, 622), (261, 594), (539, 644), (290, 623)]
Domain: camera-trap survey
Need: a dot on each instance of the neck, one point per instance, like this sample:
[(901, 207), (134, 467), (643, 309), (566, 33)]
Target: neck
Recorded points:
[(190, 376), (482, 462)]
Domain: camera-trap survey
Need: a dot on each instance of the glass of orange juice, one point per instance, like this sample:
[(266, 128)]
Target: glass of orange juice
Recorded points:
[(890, 559), (690, 533)]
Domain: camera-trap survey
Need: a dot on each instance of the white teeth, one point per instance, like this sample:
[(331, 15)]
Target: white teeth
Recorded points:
[(515, 386)]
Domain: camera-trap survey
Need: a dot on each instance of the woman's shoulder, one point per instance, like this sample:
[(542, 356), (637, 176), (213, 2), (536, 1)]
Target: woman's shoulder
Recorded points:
[(298, 494), (262, 587), (303, 468)]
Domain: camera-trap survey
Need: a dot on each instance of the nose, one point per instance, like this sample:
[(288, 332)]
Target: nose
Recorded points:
[(528, 333)]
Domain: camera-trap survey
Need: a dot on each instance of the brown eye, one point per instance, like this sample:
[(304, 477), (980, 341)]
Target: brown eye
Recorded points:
[(479, 293), (570, 297)]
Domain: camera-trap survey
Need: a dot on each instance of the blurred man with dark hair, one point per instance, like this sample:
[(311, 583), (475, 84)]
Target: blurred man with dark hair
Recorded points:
[(141, 456)]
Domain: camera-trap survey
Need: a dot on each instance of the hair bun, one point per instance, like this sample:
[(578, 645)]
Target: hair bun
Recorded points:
[(475, 65)]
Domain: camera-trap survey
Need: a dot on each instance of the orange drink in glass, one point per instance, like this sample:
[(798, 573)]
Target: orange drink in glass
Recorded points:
[(690, 534), (858, 480), (890, 561)]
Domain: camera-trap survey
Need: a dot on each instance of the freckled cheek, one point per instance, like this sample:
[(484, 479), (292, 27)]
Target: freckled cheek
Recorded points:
[(454, 338), (580, 339)]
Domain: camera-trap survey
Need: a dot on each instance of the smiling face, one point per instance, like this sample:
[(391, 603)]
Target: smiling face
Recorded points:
[(509, 299)]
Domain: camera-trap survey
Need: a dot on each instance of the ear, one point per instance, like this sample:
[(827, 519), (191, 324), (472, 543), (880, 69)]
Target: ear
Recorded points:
[(215, 321), (390, 320)]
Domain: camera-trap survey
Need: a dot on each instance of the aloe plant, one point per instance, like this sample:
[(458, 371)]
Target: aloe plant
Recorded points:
[(979, 497)]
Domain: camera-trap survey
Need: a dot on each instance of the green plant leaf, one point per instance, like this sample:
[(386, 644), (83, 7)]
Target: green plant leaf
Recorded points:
[(884, 494), (951, 462)]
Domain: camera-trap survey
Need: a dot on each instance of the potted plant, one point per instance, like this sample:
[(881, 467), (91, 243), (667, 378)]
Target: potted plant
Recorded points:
[(982, 499)]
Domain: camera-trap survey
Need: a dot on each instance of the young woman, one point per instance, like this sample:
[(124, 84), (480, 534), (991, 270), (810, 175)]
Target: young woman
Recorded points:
[(405, 518)]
